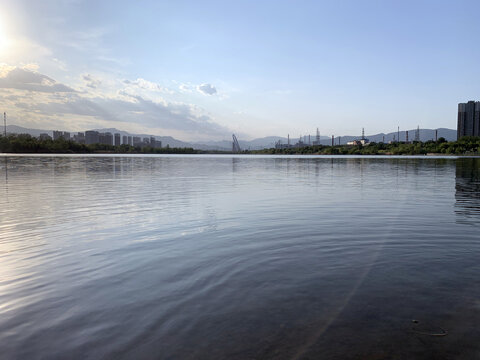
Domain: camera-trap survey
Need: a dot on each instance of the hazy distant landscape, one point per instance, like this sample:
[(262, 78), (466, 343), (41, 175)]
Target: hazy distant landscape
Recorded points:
[(257, 144)]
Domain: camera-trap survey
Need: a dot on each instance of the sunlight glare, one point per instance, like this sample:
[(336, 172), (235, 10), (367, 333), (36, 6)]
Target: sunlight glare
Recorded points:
[(3, 37)]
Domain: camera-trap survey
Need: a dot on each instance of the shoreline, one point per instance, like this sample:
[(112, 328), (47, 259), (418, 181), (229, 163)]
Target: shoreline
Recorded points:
[(245, 155), (26, 144)]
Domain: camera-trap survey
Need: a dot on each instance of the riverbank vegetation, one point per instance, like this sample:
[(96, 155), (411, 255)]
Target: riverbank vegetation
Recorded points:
[(464, 146), (24, 143)]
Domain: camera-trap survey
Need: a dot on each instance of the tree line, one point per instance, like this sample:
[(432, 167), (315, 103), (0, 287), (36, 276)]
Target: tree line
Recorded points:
[(25, 143), (464, 146)]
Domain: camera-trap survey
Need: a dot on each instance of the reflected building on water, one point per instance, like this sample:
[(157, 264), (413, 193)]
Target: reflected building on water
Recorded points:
[(467, 190)]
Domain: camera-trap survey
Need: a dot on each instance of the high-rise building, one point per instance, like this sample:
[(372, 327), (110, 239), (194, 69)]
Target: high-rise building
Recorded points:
[(92, 137), (117, 139), (57, 134), (137, 141), (468, 119), (108, 138), (124, 139), (130, 140), (79, 138), (61, 135)]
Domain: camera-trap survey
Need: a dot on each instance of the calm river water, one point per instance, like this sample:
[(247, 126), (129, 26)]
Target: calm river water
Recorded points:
[(231, 257)]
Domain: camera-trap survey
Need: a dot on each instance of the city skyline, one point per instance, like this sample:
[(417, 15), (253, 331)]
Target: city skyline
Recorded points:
[(418, 134), (199, 72)]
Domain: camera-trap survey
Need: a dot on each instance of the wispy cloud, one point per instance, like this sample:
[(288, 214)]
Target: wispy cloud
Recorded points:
[(204, 89), (91, 81), (148, 85)]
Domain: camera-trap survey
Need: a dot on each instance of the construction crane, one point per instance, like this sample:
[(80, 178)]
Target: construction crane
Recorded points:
[(235, 145)]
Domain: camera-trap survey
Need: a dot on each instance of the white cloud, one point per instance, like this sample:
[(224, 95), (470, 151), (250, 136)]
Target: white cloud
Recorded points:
[(91, 81), (24, 79), (31, 67), (207, 89), (148, 85), (186, 88), (37, 97)]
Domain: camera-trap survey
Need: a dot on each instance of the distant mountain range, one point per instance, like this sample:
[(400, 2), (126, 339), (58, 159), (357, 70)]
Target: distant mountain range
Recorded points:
[(261, 143)]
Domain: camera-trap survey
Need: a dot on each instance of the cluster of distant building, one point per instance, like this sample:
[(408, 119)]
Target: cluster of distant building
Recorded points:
[(95, 137)]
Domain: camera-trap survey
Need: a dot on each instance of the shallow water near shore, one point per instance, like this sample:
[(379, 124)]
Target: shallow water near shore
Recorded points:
[(239, 257)]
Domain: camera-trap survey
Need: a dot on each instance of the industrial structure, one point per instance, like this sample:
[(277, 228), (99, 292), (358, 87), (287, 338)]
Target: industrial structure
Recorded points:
[(303, 141), (317, 138), (417, 134), (363, 140), (468, 123), (235, 145)]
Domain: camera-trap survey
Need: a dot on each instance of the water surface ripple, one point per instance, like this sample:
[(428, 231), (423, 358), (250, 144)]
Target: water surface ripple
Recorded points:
[(237, 257)]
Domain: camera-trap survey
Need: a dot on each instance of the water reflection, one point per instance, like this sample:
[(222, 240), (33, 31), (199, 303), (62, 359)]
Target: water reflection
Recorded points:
[(204, 257), (467, 191), (6, 168)]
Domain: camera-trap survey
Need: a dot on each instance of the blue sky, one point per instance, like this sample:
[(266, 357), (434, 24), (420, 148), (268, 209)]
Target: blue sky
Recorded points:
[(205, 69)]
